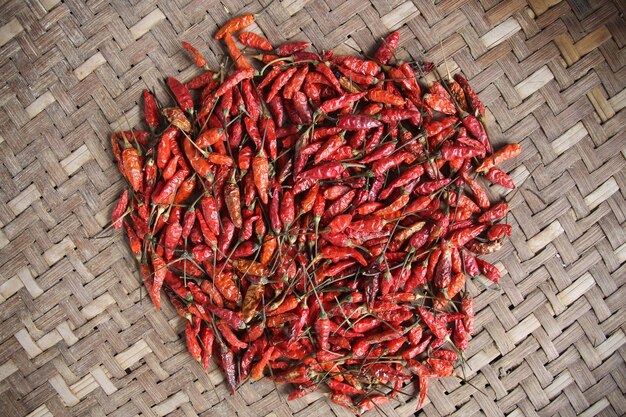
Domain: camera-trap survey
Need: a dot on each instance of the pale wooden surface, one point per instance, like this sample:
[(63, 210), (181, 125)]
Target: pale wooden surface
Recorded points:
[(76, 337)]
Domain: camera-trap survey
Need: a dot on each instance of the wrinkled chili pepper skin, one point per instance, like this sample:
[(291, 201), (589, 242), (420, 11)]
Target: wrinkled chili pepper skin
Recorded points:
[(235, 24), (473, 101), (197, 56), (132, 168), (181, 94), (234, 79), (260, 173), (291, 47), (150, 109), (255, 41), (497, 176), (386, 49)]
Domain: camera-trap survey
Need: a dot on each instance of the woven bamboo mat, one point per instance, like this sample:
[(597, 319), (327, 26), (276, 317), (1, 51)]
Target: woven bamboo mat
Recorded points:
[(79, 337)]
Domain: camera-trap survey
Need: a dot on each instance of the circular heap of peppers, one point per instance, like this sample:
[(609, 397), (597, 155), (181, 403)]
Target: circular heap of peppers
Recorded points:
[(316, 220)]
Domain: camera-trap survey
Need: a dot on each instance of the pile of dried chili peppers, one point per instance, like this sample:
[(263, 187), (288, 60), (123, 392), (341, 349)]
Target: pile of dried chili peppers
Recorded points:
[(316, 220)]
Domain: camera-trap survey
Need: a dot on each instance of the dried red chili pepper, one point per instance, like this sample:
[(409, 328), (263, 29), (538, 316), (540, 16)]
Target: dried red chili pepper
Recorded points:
[(497, 176), (289, 48), (197, 56), (119, 209), (234, 79), (235, 54), (497, 231), (255, 41), (280, 81), (494, 213), (385, 51), (234, 25), (181, 94), (473, 101)]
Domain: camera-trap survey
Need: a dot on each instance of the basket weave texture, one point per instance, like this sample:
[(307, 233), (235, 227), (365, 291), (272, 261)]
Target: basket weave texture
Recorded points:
[(79, 337)]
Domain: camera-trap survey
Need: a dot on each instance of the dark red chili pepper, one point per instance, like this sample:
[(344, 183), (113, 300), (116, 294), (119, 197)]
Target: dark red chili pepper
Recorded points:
[(489, 270), (289, 48), (181, 94), (497, 231), (325, 70), (295, 83), (206, 81), (357, 122), (234, 79), (280, 81), (473, 101), (301, 106)]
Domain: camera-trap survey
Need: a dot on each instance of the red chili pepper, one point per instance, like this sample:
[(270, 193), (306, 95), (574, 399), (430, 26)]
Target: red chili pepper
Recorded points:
[(209, 137), (132, 167), (119, 210), (280, 81), (386, 49), (336, 254), (206, 81), (482, 199), (197, 56), (295, 83), (357, 122), (477, 130), (271, 76), (385, 97), (234, 79), (358, 65), (292, 47), (340, 102), (494, 213), (181, 94), (255, 41), (330, 146), (192, 342), (429, 187), (206, 339), (327, 73), (497, 176), (488, 270), (235, 54), (473, 101), (234, 25)]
